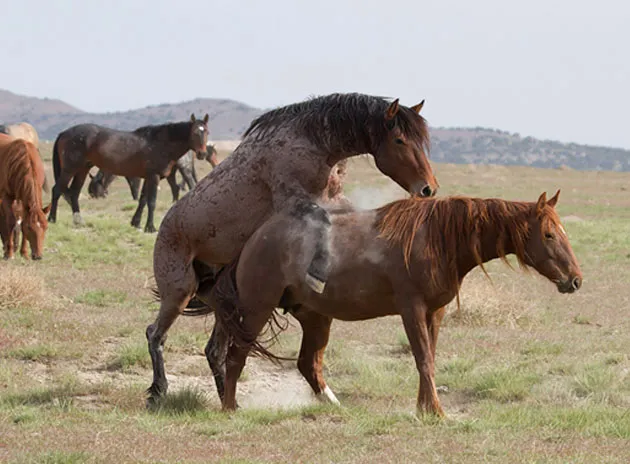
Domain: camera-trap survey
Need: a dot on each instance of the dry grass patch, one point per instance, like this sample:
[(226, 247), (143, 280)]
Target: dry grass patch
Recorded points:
[(21, 286)]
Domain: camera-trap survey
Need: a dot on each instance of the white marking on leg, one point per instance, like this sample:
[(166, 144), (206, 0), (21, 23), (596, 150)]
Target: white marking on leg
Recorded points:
[(329, 396)]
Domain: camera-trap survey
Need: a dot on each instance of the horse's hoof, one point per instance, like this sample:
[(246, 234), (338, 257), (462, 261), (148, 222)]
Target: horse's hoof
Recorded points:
[(135, 223), (150, 229), (77, 219), (315, 284)]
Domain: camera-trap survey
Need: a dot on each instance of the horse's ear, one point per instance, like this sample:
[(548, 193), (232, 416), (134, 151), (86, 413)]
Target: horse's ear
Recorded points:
[(46, 209), (392, 110), (206, 118), (553, 200), (542, 201), (418, 107), (192, 117)]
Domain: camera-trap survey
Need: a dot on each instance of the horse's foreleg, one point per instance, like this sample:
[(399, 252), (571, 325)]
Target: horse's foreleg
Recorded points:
[(151, 186), (434, 321), (75, 191), (134, 186), (189, 177), (415, 315), (7, 227), (59, 189), (315, 334), (317, 222), (172, 182), (137, 217)]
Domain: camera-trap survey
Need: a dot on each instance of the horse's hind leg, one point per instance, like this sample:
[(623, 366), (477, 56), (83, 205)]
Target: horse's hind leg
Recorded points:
[(251, 324), (216, 354), (315, 335), (176, 284)]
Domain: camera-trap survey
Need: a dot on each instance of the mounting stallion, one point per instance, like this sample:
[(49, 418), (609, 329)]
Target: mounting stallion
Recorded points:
[(282, 164), (149, 152)]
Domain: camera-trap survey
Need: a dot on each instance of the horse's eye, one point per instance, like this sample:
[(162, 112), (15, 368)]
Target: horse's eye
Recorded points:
[(399, 141), (549, 236)]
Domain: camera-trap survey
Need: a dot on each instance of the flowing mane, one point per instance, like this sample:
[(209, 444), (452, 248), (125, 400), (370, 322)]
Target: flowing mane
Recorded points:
[(21, 176), (341, 121), (174, 131), (454, 223)]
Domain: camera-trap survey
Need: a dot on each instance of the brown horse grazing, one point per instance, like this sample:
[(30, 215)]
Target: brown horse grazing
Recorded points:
[(282, 164), (149, 152), (408, 258), (99, 183), (25, 131), (21, 181)]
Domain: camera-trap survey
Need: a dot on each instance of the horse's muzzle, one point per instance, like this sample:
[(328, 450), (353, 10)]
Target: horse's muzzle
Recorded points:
[(570, 285)]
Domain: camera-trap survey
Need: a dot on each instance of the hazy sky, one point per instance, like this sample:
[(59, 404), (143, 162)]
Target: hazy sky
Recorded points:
[(557, 69)]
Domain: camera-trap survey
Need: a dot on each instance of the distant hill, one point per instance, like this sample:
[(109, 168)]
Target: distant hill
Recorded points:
[(229, 119)]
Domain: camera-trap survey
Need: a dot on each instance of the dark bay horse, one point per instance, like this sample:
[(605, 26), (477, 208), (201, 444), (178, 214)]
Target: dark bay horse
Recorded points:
[(99, 183), (407, 258), (149, 152), (21, 181), (283, 163)]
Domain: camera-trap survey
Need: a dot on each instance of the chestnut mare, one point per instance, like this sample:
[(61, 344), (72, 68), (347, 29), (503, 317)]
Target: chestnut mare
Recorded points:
[(408, 258), (149, 152), (21, 181), (283, 163)]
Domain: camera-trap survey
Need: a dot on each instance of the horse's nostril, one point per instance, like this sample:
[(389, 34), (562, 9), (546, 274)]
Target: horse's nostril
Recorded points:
[(577, 283), (426, 191)]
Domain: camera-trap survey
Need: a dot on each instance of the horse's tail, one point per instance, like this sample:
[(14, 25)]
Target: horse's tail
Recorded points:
[(228, 314), (55, 159)]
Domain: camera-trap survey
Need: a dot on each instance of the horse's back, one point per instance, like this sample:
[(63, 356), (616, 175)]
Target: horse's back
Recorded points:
[(24, 131)]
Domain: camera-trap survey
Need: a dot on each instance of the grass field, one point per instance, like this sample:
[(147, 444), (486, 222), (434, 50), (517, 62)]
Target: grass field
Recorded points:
[(526, 374)]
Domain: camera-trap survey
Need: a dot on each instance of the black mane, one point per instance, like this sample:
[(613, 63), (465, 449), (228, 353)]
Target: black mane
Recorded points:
[(175, 131), (340, 121)]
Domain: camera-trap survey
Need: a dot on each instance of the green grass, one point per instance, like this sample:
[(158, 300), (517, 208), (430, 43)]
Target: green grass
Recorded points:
[(130, 355), (531, 375)]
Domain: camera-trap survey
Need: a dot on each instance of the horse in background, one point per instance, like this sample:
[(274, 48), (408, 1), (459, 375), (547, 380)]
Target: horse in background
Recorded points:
[(283, 163), (25, 131), (406, 258), (21, 180), (149, 152), (100, 182)]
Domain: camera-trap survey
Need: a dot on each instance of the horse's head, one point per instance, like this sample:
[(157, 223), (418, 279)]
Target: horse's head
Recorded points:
[(34, 227), (547, 248), (401, 153), (96, 187), (211, 155), (198, 139)]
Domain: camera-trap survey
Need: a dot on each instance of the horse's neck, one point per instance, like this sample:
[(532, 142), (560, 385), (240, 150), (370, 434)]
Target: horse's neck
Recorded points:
[(490, 241)]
